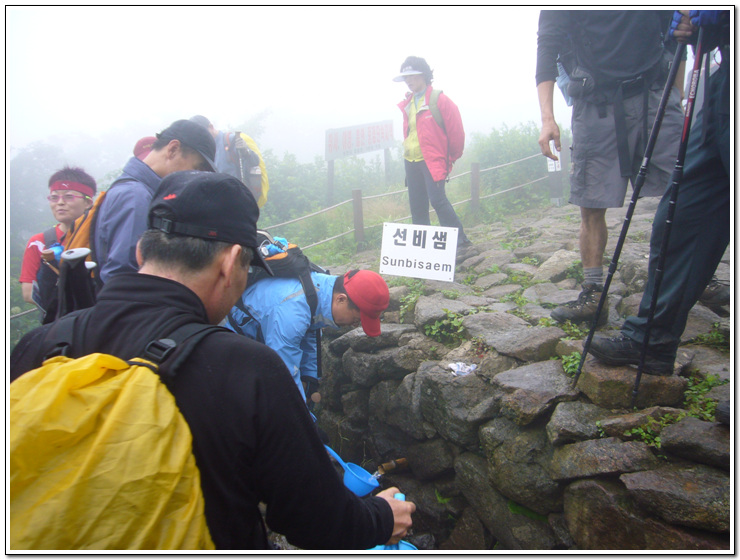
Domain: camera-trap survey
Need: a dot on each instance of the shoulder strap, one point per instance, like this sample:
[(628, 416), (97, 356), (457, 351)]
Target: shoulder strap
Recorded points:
[(50, 236), (434, 108)]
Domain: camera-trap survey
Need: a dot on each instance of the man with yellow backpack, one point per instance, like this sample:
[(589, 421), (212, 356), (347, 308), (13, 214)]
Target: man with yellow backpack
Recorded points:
[(102, 440), (238, 155)]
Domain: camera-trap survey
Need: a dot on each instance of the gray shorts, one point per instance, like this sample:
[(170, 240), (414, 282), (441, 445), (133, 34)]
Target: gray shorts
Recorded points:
[(595, 179)]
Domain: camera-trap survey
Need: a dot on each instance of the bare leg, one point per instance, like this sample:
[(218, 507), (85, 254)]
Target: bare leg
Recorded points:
[(593, 236)]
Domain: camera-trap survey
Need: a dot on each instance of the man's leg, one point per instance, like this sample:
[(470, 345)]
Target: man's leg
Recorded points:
[(418, 200)]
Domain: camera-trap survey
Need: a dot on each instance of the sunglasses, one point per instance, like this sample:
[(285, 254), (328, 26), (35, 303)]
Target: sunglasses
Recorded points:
[(68, 197)]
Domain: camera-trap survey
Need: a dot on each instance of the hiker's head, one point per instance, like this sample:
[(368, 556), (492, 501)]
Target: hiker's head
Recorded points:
[(203, 233), (416, 73), (360, 296), (182, 146), (71, 192), (205, 123)]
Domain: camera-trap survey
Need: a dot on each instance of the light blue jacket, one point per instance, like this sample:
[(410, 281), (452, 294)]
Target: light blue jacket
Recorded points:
[(279, 316)]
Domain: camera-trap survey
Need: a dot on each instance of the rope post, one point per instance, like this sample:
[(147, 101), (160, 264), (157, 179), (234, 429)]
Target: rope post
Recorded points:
[(359, 222), (474, 188)]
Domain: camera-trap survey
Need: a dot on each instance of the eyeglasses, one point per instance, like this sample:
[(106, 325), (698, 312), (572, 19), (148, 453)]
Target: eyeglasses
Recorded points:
[(68, 197)]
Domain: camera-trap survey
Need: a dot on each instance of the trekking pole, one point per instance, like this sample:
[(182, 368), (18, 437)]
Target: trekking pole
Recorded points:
[(675, 180), (636, 188)]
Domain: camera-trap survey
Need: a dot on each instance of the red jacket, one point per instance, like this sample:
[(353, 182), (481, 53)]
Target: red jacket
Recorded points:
[(440, 150)]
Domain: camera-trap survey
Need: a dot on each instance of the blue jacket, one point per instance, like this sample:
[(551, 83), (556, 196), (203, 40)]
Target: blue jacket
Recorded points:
[(122, 218), (281, 318)]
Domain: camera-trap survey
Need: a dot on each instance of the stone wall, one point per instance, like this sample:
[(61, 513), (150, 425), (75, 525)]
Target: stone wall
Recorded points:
[(512, 456)]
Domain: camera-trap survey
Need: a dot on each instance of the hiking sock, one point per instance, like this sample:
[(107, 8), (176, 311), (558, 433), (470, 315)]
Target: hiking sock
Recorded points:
[(594, 275)]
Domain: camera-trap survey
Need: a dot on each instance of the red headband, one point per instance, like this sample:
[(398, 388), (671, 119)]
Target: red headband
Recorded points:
[(72, 186)]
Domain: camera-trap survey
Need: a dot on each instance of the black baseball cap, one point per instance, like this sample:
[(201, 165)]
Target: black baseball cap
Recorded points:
[(213, 206), (193, 136)]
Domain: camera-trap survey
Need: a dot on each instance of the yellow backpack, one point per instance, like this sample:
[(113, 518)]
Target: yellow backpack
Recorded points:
[(101, 457)]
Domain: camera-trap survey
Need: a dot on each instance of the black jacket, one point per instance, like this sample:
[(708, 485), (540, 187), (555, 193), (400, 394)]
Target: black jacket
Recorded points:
[(253, 438)]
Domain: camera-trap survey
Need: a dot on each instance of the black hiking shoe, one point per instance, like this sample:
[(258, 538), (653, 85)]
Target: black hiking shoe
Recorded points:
[(623, 351), (584, 308), (716, 296)]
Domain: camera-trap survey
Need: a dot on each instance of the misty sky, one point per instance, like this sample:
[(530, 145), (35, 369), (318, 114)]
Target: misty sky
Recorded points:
[(94, 69)]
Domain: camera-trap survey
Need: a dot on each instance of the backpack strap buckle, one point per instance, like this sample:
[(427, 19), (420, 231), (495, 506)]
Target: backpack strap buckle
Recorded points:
[(159, 350)]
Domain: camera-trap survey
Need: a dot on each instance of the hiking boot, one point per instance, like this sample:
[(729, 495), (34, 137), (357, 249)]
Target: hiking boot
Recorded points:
[(584, 308), (623, 351), (716, 296)]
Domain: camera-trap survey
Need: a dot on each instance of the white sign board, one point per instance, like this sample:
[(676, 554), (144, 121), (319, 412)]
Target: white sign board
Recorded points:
[(352, 140), (553, 165), (419, 251)]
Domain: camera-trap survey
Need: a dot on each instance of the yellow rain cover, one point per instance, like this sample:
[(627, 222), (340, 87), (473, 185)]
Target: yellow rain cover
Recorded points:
[(101, 459), (265, 183)]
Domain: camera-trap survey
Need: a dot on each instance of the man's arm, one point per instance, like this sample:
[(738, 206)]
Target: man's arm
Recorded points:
[(550, 129), (27, 292)]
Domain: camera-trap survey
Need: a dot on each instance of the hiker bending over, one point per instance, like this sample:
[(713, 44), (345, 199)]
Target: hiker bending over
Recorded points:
[(276, 311), (253, 439)]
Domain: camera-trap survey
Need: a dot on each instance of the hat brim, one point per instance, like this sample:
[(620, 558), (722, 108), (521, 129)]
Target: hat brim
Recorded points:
[(371, 325), (402, 76), (209, 161)]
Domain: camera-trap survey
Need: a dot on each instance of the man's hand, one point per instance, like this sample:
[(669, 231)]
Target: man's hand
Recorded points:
[(682, 30), (401, 514), (241, 145), (550, 131)]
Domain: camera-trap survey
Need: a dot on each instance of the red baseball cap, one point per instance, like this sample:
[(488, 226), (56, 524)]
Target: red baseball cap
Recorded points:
[(369, 292), (144, 146)]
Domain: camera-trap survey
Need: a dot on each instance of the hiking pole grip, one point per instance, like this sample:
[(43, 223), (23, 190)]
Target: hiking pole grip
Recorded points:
[(636, 188), (676, 178)]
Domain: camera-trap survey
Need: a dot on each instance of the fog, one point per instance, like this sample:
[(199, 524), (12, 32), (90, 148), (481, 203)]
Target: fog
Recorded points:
[(110, 75)]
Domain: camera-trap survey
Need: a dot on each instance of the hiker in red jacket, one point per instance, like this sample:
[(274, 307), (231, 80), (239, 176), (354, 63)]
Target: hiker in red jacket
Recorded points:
[(432, 143)]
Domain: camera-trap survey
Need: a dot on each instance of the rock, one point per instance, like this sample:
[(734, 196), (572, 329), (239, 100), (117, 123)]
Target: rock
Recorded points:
[(434, 308), (389, 337), (574, 421), (535, 313), (397, 293), (499, 292), (494, 363), (567, 347), (399, 405), (554, 269), (601, 516), (532, 390), (611, 387), (701, 320), (560, 528), (355, 407), (519, 268), (533, 344), (468, 534), (512, 531), (481, 325), (490, 280), (456, 406), (518, 461), (390, 363), (548, 293), (709, 361), (629, 305), (475, 301), (431, 459), (600, 457), (694, 496), (703, 442), (616, 426)]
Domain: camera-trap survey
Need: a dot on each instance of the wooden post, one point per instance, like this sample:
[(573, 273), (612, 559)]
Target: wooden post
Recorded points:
[(357, 210), (474, 188), (330, 182)]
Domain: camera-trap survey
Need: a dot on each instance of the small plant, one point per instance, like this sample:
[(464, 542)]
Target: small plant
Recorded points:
[(493, 269), (649, 432), (696, 402), (575, 271), (600, 429), (448, 330), (451, 294), (519, 509), (573, 332), (409, 300), (480, 348), (714, 339), (571, 363), (534, 261), (547, 322), (440, 499), (470, 279)]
